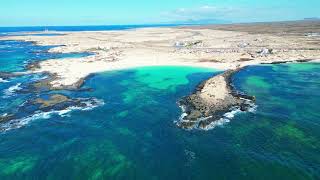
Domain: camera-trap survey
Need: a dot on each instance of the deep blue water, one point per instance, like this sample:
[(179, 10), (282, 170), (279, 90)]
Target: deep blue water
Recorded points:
[(4, 30), (133, 135)]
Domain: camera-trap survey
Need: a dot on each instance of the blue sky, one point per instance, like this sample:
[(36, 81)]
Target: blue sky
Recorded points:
[(104, 12)]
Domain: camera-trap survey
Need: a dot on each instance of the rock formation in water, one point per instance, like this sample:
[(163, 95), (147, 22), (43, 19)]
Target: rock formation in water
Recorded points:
[(211, 100)]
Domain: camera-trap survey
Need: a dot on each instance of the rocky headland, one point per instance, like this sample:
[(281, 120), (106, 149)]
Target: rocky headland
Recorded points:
[(225, 47), (211, 100)]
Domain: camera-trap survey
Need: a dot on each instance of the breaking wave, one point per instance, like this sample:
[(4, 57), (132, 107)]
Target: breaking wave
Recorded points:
[(227, 117), (11, 90), (3, 81), (21, 122)]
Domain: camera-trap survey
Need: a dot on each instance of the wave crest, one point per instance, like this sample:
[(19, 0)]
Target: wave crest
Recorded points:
[(3, 80), (18, 123), (227, 117), (11, 90)]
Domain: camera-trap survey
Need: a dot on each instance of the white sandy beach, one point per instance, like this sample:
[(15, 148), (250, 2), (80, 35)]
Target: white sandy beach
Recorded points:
[(116, 50)]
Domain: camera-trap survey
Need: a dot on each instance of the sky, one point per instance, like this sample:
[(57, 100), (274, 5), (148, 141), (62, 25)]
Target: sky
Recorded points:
[(118, 12)]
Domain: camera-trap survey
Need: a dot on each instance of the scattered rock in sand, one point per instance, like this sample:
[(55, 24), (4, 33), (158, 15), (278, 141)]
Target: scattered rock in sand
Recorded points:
[(188, 44), (243, 45), (265, 52), (312, 34)]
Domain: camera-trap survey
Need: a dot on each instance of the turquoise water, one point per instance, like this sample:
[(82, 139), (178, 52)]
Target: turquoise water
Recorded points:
[(133, 135), (15, 55)]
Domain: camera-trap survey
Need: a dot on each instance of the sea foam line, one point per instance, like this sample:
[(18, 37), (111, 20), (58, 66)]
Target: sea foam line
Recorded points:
[(11, 90), (227, 117), (18, 123), (3, 81)]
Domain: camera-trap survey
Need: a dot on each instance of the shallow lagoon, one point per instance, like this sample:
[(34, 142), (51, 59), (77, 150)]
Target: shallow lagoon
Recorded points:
[(133, 136)]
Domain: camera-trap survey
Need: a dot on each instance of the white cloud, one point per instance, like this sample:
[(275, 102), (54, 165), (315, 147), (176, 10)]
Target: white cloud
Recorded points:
[(233, 13), (202, 12)]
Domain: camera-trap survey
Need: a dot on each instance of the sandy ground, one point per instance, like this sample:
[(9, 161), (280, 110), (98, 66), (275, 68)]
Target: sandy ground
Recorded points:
[(189, 46)]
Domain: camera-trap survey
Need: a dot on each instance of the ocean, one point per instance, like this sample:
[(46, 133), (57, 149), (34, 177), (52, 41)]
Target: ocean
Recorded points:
[(127, 130), (8, 30)]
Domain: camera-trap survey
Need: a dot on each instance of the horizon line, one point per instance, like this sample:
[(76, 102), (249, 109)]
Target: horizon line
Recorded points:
[(161, 24)]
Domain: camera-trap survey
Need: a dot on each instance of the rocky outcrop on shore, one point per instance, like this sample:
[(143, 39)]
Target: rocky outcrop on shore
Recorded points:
[(211, 100), (49, 104), (47, 85), (190, 46)]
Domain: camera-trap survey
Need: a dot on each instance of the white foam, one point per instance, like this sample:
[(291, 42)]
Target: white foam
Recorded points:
[(227, 117), (232, 113), (18, 123), (90, 104), (215, 124), (4, 115), (3, 81), (38, 78), (184, 114), (11, 90)]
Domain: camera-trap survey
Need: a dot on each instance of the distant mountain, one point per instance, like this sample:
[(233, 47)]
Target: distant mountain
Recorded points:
[(202, 21), (312, 19)]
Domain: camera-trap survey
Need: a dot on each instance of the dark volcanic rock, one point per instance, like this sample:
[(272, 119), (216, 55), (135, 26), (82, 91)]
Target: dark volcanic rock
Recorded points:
[(6, 118), (8, 75), (54, 103), (211, 100), (59, 102), (33, 66), (290, 61)]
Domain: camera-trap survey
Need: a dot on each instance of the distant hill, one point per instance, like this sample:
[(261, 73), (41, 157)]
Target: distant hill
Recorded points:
[(311, 19), (284, 27), (201, 21)]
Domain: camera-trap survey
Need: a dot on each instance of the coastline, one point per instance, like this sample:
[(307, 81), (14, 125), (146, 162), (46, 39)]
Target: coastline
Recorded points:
[(207, 48), (117, 50), (211, 100)]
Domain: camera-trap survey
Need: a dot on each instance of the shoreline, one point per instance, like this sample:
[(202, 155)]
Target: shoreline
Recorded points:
[(47, 83), (126, 49), (229, 51), (211, 100)]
